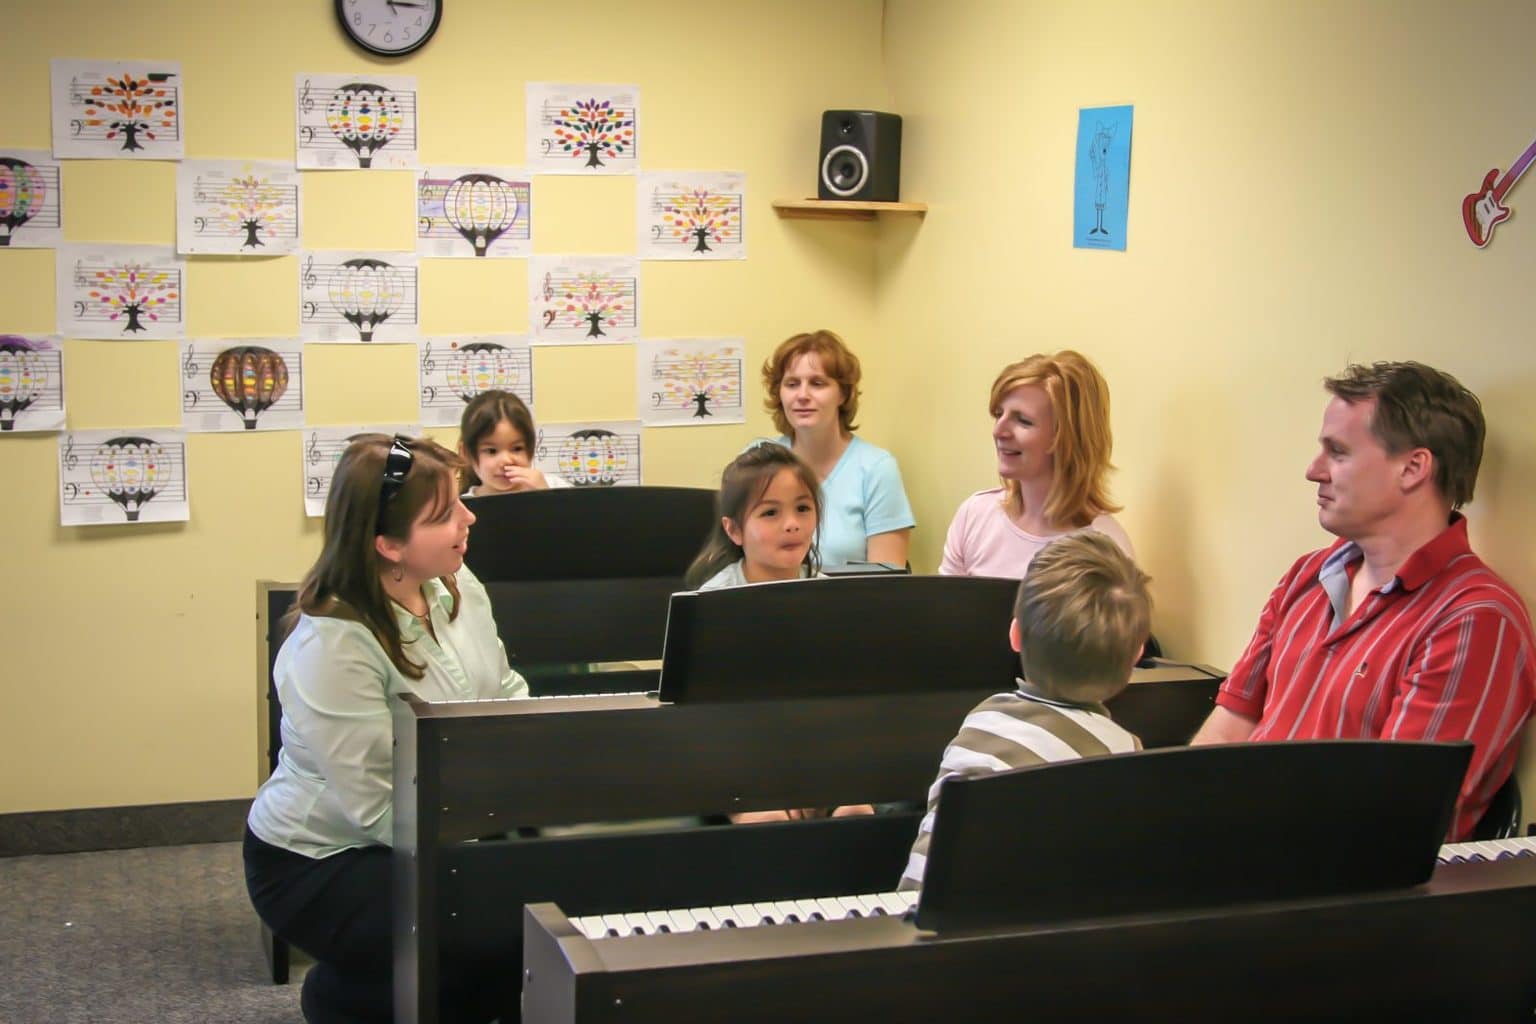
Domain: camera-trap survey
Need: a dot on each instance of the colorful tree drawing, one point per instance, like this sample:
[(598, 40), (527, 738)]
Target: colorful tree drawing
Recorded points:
[(594, 128), (23, 376), (481, 207), (595, 298), (22, 191), (700, 378), (481, 366), (130, 471), (249, 379), (701, 215), (365, 117), (366, 292), (130, 106), (134, 291), (593, 458), (246, 203)]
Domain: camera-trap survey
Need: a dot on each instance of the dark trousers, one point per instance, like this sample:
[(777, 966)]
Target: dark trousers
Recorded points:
[(337, 909)]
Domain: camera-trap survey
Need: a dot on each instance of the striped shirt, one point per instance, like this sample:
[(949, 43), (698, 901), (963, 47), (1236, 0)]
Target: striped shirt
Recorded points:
[(1016, 730), (1444, 651)]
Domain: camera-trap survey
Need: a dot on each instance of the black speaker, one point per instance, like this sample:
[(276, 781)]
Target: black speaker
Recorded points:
[(860, 156)]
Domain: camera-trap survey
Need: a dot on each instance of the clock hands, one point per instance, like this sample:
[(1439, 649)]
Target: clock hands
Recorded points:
[(395, 5)]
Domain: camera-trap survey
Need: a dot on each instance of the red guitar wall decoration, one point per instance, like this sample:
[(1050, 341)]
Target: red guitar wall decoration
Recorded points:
[(1482, 211)]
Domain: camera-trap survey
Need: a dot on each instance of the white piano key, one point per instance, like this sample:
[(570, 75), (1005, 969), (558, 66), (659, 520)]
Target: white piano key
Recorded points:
[(789, 912), (591, 927), (682, 920), (769, 912), (810, 910), (726, 915), (661, 922), (704, 917), (872, 905), (746, 915), (616, 924), (639, 924), (832, 909), (853, 906), (896, 903)]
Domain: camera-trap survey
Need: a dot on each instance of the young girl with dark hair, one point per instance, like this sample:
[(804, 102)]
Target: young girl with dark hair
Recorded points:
[(769, 506), (496, 441)]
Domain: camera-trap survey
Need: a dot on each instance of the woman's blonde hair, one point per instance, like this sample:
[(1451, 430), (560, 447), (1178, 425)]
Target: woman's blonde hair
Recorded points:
[(1082, 445), (837, 362), (344, 581)]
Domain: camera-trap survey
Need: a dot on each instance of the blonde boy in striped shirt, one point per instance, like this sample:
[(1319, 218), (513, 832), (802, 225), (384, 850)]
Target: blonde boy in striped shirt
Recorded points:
[(1081, 616)]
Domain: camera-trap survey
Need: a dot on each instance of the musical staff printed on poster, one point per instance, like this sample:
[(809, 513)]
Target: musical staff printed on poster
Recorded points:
[(122, 292), (474, 212), (347, 296), (691, 215), (31, 383), (593, 454), (690, 382), (31, 200), (584, 300), (583, 129), (347, 122), (453, 370), (125, 110), (244, 384), (323, 448), (127, 475), (236, 208)]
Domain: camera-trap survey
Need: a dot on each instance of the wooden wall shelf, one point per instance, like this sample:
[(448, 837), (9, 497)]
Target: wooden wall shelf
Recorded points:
[(831, 209)]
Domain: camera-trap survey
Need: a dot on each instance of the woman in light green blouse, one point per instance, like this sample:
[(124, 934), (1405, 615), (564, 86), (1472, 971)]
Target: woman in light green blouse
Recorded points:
[(388, 608)]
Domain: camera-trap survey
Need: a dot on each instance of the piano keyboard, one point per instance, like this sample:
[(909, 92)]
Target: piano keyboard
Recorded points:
[(891, 904), (1491, 849), (746, 915), (545, 696)]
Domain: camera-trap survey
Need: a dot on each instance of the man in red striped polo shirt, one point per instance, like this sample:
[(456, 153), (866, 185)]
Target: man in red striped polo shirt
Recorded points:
[(1397, 630)]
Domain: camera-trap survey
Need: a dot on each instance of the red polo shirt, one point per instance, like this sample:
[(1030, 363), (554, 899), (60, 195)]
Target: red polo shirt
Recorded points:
[(1443, 652)]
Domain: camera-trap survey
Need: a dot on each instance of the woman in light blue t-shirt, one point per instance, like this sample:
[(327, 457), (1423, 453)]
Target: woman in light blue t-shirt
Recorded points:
[(812, 383)]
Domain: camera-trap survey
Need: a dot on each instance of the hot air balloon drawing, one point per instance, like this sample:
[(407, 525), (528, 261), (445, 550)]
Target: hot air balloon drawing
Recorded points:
[(481, 207), (131, 471), (23, 376), (249, 379), (22, 191), (366, 292), (365, 117), (482, 366), (593, 458)]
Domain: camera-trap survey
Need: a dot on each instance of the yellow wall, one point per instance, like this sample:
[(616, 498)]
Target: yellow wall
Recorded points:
[(1297, 172), (129, 668)]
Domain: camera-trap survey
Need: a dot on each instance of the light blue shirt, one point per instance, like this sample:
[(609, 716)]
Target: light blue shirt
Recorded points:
[(334, 780), (735, 575), (861, 497)]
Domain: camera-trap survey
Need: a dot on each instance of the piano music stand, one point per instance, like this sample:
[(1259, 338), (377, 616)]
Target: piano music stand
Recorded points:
[(844, 637), (1160, 830)]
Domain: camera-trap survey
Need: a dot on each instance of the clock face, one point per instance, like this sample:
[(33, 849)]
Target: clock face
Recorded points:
[(389, 27)]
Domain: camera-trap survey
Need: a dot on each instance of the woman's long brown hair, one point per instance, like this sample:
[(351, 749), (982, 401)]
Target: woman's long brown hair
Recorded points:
[(344, 581)]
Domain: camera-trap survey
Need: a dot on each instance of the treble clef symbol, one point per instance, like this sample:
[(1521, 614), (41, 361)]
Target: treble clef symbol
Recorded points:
[(312, 452), (541, 450), (189, 365), (549, 287), (71, 460), (306, 102), (311, 279), (428, 364)]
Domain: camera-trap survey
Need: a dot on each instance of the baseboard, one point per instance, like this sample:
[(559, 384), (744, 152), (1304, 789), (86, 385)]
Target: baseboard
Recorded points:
[(117, 828)]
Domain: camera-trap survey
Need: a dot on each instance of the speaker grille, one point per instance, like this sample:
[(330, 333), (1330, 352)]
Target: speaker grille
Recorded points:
[(844, 170)]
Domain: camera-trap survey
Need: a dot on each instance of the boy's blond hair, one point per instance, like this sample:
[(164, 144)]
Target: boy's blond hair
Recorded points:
[(1083, 613)]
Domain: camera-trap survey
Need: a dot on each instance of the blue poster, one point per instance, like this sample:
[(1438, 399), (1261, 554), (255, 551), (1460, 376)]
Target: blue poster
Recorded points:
[(1102, 192)]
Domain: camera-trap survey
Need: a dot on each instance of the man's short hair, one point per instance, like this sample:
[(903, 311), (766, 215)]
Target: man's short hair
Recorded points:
[(1084, 611), (1418, 406)]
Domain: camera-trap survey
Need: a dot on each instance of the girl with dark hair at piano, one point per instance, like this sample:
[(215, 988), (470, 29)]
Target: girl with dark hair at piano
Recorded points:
[(389, 607), (769, 506), (496, 441)]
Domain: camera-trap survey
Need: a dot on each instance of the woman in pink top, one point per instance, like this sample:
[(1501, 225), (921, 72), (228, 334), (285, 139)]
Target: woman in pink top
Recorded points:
[(1050, 427)]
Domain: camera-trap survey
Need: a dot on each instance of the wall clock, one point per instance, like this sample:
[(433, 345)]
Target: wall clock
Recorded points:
[(390, 28)]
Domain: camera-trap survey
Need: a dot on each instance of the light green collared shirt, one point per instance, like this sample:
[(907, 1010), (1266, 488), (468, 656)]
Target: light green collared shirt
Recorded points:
[(332, 787)]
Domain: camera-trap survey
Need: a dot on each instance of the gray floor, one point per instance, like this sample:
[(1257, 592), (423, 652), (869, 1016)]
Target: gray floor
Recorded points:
[(161, 935)]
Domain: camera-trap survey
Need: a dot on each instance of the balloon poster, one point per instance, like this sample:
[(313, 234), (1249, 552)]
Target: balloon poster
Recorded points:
[(584, 300), (324, 447), (583, 129), (236, 208), (31, 383), (121, 292), (474, 212), (594, 454), (117, 110), (691, 216), (245, 384), (357, 296), (131, 475), (690, 383), (453, 370), (31, 200), (351, 122)]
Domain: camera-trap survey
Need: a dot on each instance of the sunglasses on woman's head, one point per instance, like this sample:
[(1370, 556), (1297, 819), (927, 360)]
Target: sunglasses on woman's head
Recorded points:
[(396, 467)]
